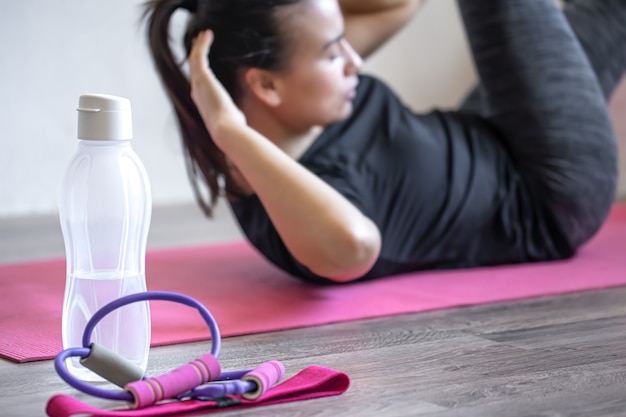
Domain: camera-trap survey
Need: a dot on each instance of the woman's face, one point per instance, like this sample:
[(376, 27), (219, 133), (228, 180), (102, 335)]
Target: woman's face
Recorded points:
[(319, 82)]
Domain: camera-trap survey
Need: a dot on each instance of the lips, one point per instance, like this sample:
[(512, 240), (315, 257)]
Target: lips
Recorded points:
[(351, 93)]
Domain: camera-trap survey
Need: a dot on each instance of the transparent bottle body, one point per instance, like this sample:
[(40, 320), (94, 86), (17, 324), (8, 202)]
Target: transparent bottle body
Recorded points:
[(105, 210)]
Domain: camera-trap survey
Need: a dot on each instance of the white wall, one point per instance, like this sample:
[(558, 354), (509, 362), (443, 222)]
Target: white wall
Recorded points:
[(54, 51)]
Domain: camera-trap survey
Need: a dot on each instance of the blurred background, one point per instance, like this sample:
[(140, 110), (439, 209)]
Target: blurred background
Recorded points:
[(54, 51)]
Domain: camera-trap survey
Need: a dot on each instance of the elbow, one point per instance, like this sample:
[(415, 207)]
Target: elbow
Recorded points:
[(350, 257)]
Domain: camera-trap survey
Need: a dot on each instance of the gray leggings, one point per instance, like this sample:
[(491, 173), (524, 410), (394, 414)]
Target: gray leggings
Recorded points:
[(546, 76)]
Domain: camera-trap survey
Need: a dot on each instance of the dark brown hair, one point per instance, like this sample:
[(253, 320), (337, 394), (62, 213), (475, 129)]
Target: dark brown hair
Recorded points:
[(246, 36)]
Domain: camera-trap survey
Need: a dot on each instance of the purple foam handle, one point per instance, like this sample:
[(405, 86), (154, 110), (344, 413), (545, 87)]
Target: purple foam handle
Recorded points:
[(266, 375), (152, 390)]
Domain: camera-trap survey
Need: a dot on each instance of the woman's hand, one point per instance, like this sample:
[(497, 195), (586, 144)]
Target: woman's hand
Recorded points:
[(215, 105)]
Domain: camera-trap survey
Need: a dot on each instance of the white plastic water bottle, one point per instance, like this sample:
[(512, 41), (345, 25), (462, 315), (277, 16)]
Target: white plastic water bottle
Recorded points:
[(105, 210)]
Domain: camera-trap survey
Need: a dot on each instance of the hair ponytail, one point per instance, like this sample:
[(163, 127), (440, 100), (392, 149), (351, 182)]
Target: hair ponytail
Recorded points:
[(206, 164)]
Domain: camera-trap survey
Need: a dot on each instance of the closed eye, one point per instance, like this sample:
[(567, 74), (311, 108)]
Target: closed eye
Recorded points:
[(333, 42)]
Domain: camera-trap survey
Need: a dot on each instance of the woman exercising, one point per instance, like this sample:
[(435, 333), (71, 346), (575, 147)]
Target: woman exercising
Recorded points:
[(333, 179)]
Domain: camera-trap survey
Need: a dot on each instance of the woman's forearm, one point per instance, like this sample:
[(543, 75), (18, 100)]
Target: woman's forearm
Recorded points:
[(370, 23), (373, 6), (321, 229)]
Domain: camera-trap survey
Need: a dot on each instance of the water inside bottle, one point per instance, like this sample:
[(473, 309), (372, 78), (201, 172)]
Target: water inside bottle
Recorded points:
[(122, 331)]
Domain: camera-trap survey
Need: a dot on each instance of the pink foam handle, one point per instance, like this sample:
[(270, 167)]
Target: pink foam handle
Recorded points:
[(149, 391), (266, 375)]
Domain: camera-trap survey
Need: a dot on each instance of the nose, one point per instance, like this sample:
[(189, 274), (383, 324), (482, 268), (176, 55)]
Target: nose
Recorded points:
[(354, 62)]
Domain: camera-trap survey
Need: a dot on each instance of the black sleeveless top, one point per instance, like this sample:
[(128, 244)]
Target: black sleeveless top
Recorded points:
[(441, 187)]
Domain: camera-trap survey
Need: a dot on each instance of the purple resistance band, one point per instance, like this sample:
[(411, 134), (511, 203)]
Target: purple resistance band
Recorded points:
[(185, 381)]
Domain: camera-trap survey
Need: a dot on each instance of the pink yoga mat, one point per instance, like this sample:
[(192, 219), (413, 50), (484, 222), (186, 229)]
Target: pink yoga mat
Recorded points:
[(247, 295)]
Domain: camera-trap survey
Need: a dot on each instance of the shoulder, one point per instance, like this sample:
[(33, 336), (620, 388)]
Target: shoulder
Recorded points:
[(370, 83)]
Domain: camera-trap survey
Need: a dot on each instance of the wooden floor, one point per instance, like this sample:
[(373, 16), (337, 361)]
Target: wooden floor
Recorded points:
[(553, 356)]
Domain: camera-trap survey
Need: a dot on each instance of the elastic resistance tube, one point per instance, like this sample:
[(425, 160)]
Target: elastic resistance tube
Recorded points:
[(184, 382), (115, 360), (216, 340)]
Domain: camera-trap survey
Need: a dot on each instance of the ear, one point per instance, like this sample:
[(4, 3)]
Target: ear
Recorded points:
[(264, 86)]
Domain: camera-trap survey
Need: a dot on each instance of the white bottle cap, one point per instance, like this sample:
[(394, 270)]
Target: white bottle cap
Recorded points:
[(104, 117)]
